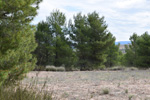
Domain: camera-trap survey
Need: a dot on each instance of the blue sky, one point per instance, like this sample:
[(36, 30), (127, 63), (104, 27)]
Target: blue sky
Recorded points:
[(124, 17)]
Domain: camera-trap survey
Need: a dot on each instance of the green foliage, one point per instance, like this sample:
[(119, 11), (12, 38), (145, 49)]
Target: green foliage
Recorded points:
[(131, 55), (130, 97), (138, 53), (45, 50), (79, 34), (126, 91), (91, 40), (53, 68), (114, 56), (105, 91), (54, 47), (143, 50), (39, 68), (16, 38)]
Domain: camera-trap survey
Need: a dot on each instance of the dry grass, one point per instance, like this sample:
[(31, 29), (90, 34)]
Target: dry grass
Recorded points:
[(23, 93), (89, 85)]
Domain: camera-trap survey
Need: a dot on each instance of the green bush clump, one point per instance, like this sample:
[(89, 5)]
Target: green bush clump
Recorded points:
[(53, 68), (105, 91), (60, 68)]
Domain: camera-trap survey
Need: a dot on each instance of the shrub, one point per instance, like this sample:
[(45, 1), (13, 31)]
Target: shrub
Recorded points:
[(39, 68), (53, 68), (27, 91), (116, 68), (60, 68), (105, 91), (20, 93), (102, 67), (133, 68), (126, 91), (72, 68), (130, 97), (50, 68)]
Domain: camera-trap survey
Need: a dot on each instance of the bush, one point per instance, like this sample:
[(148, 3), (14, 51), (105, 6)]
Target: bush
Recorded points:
[(20, 93), (53, 68), (27, 91), (133, 68), (73, 68), (102, 67), (50, 68), (39, 68), (130, 97), (105, 91), (116, 68), (126, 91), (60, 68)]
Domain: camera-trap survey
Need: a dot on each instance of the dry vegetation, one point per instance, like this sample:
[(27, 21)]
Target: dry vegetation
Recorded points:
[(95, 85)]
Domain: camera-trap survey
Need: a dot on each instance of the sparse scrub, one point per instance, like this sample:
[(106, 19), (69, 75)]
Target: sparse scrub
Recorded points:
[(65, 95), (126, 91), (28, 91), (105, 91), (133, 68), (116, 68), (39, 68), (60, 68), (130, 97), (20, 93), (50, 68), (53, 68)]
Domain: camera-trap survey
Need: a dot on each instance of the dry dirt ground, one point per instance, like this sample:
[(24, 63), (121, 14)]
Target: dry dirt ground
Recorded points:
[(91, 85)]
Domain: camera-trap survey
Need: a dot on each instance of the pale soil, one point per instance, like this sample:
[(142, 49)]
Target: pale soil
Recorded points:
[(90, 85)]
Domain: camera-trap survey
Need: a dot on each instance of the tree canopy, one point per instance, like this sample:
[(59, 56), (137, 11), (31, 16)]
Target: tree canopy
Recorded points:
[(91, 39), (17, 40)]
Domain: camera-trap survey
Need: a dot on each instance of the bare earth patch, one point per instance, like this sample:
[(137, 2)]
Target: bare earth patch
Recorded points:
[(92, 85)]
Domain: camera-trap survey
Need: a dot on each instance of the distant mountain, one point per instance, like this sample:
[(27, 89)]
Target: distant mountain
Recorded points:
[(123, 42)]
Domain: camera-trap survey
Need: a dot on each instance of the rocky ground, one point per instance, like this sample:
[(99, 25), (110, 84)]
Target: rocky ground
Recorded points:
[(94, 85)]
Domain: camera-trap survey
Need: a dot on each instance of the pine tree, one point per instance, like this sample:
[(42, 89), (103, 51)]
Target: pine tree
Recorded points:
[(54, 47), (100, 39), (45, 50), (113, 55), (79, 36), (143, 51), (16, 38), (131, 55), (91, 39)]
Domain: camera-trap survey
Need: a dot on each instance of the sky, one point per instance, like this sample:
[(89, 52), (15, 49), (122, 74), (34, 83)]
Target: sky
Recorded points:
[(123, 17)]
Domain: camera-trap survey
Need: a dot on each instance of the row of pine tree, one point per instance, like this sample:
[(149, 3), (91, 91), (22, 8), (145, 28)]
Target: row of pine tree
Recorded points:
[(85, 42)]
